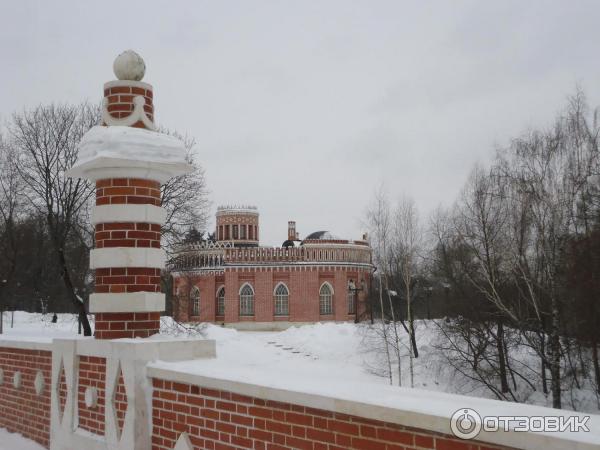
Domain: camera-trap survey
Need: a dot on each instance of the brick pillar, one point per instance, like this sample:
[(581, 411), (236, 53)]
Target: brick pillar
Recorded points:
[(128, 161)]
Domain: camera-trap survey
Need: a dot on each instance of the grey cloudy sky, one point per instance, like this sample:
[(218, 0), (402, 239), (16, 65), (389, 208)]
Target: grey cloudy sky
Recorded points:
[(305, 108)]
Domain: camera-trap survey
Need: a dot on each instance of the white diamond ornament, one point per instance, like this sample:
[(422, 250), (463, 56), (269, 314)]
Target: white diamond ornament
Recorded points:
[(183, 443), (17, 380), (39, 383)]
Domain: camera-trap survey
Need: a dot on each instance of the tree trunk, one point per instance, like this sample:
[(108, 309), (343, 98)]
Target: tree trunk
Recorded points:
[(555, 356), (502, 358), (596, 364), (79, 305), (385, 338)]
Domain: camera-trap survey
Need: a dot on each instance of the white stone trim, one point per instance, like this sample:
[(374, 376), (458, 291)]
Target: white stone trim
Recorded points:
[(126, 356), (127, 302), (138, 114), (24, 343), (128, 83), (101, 258), (128, 213), (409, 408)]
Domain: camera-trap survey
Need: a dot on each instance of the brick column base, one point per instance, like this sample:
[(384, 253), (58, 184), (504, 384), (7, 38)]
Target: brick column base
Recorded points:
[(126, 325)]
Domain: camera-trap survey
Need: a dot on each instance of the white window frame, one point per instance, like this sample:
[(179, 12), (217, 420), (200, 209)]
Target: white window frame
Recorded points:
[(220, 303), (246, 300), (281, 300), (326, 299), (195, 298)]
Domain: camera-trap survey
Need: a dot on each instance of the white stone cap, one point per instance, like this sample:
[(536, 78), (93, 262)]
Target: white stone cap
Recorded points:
[(127, 302), (156, 347), (26, 342), (119, 151), (417, 408), (101, 258)]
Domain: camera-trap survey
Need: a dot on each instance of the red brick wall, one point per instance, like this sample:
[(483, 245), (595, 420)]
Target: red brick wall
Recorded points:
[(303, 286), (127, 235), (118, 191), (126, 325), (22, 410), (220, 420), (92, 373), (127, 279)]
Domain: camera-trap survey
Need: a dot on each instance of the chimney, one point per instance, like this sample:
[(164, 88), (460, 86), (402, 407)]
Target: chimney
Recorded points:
[(292, 235)]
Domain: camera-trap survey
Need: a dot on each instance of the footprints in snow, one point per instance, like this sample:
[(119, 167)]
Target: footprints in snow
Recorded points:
[(291, 350)]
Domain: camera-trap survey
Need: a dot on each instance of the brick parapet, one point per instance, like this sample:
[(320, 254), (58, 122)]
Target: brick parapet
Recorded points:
[(220, 419), (23, 410)]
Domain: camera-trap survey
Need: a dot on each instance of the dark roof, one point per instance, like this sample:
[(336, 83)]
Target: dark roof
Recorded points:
[(288, 243), (322, 235)]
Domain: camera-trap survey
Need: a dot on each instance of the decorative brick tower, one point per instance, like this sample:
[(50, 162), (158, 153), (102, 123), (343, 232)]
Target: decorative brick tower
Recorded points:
[(128, 160), (238, 225)]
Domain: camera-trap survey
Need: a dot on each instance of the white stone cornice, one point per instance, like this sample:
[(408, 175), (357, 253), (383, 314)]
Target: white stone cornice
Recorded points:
[(127, 302), (126, 152), (101, 258), (128, 213), (128, 83)]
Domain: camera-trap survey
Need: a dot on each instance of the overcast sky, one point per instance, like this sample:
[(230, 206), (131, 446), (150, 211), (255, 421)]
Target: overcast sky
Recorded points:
[(303, 108)]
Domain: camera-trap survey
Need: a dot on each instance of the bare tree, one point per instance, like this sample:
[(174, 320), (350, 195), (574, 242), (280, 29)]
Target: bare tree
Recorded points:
[(379, 223), (46, 139), (185, 197), (407, 242), (11, 211)]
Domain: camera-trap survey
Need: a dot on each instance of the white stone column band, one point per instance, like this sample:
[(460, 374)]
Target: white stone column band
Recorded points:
[(128, 213), (102, 258), (129, 302)]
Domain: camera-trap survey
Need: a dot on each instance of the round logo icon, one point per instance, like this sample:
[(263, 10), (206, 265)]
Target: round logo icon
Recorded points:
[(465, 423)]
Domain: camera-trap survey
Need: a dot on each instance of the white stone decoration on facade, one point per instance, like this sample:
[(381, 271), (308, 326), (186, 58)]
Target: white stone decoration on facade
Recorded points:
[(1, 377), (17, 380), (38, 383), (91, 397), (138, 114), (183, 443)]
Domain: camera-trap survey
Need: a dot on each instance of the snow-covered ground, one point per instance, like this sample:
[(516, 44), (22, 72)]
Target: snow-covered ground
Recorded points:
[(13, 441), (322, 352)]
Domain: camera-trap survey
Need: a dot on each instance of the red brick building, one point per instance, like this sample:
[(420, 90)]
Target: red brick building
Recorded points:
[(235, 280)]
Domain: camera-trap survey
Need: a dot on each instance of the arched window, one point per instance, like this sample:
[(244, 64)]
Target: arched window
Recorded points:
[(326, 299), (221, 301), (281, 295), (195, 297), (246, 300)]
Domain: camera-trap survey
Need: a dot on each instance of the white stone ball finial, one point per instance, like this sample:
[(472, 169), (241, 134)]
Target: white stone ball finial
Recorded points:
[(129, 66)]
